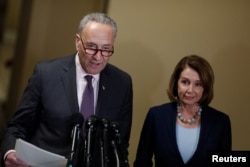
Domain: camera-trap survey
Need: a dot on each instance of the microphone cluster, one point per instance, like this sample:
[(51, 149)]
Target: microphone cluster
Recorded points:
[(101, 144)]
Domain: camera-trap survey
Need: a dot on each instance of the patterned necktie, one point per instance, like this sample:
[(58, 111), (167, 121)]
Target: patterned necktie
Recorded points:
[(87, 106)]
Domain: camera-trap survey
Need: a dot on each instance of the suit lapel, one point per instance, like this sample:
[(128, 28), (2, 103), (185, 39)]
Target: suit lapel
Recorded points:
[(204, 133), (69, 82), (103, 90), (204, 130), (172, 129)]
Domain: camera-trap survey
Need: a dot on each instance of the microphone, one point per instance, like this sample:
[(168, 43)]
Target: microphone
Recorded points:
[(77, 124), (116, 132), (121, 160), (105, 143), (90, 127)]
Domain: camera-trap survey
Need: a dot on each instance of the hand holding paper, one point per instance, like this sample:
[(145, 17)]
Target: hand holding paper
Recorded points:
[(37, 157)]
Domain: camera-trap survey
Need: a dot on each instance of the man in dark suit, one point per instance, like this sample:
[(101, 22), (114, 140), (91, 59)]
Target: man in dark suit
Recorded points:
[(54, 93)]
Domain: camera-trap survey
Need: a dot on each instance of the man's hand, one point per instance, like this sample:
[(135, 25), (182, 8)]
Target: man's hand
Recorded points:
[(12, 161)]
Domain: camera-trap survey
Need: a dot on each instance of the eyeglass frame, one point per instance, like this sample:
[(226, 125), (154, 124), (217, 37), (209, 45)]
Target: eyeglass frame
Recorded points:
[(96, 50)]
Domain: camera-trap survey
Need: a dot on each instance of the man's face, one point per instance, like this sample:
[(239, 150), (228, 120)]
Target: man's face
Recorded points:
[(95, 37)]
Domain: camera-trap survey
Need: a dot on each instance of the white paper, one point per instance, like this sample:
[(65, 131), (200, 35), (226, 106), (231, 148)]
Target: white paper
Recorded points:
[(37, 157)]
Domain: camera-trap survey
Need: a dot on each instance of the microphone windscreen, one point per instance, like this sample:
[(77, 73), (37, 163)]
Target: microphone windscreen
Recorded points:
[(115, 125), (105, 123), (77, 119), (92, 121)]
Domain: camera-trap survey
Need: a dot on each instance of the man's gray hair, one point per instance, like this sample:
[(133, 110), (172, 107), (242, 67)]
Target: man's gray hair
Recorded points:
[(99, 18)]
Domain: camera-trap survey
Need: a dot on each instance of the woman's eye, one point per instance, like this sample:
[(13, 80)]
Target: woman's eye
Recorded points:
[(185, 82), (198, 84)]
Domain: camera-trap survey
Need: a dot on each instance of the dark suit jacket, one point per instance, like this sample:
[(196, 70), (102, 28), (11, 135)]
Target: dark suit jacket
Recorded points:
[(43, 117), (158, 137)]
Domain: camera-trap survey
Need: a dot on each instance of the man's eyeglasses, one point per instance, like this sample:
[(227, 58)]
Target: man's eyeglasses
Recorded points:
[(93, 51)]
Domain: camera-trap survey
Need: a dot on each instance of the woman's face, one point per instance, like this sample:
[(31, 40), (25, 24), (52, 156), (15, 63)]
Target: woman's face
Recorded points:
[(190, 89)]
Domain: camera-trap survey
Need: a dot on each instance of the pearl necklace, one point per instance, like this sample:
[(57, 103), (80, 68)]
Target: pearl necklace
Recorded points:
[(190, 120)]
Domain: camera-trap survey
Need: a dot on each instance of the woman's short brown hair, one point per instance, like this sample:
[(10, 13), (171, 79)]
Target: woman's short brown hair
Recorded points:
[(206, 74)]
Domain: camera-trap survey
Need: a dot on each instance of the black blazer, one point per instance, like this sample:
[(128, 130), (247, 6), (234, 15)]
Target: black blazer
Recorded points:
[(158, 137), (43, 117)]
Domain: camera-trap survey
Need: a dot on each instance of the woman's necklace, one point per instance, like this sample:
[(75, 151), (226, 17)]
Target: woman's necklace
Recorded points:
[(190, 120)]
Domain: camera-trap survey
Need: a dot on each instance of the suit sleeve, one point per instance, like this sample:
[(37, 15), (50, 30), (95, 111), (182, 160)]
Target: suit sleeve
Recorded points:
[(24, 120), (126, 118)]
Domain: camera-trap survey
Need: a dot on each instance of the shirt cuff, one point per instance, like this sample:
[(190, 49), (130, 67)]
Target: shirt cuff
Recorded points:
[(5, 155)]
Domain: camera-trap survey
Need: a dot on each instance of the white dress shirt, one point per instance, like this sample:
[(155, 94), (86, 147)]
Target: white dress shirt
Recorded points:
[(81, 82)]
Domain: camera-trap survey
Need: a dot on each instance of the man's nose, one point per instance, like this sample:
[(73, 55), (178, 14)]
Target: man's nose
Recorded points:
[(98, 55)]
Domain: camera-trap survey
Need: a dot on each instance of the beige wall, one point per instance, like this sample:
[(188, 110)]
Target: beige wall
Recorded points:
[(154, 35)]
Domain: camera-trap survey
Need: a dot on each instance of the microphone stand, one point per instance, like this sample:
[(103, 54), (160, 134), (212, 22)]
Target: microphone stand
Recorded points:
[(116, 144), (78, 121), (88, 142), (104, 143), (73, 146), (116, 153)]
